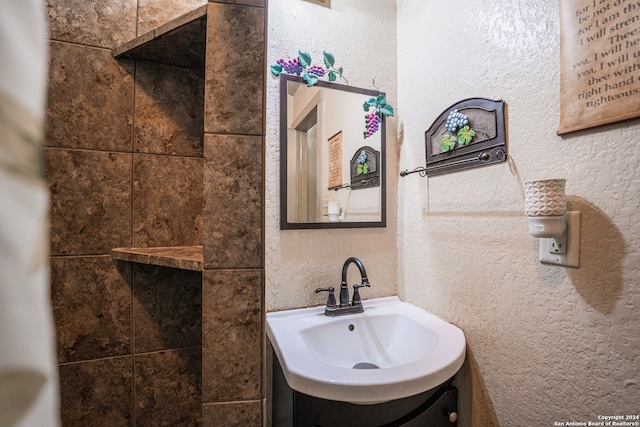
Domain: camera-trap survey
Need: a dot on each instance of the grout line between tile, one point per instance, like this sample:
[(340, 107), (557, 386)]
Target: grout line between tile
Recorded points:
[(233, 134), (167, 349), (80, 256), (95, 360), (132, 147), (132, 341), (233, 402), (80, 44), (91, 150), (238, 4)]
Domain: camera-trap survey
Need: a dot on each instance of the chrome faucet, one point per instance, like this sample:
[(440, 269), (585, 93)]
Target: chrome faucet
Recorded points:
[(344, 307)]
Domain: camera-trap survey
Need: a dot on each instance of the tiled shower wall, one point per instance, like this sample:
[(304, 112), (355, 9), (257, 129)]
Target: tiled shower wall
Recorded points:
[(128, 164), (233, 280)]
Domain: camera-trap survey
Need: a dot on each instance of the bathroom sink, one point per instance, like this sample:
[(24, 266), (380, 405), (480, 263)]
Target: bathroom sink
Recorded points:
[(392, 350)]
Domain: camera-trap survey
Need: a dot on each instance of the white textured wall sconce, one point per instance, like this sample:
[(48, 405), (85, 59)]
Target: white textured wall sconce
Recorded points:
[(557, 229)]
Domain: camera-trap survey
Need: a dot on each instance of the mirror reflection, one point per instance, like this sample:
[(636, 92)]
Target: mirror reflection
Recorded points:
[(331, 176)]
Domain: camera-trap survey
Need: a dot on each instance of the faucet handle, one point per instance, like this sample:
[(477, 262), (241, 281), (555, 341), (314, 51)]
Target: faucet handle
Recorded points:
[(356, 295), (331, 300)]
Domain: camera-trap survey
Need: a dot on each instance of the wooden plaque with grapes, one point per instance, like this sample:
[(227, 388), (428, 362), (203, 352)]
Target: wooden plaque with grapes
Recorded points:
[(468, 134)]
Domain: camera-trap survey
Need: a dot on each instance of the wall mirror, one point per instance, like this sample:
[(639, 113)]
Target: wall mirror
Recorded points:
[(330, 175)]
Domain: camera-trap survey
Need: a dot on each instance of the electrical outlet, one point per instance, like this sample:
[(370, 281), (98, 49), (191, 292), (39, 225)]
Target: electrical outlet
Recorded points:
[(557, 245), (564, 250), (325, 207)]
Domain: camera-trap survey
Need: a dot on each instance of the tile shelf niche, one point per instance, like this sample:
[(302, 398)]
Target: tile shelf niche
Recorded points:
[(180, 42), (182, 257)]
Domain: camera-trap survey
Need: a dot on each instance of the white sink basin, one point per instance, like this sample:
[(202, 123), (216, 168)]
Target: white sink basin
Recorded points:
[(392, 350)]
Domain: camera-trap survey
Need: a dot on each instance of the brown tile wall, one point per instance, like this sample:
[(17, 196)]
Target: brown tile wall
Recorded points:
[(233, 232), (128, 164)]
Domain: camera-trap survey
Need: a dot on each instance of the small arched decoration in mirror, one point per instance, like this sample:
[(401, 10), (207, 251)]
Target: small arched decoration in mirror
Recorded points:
[(365, 172), (321, 136), (468, 134)]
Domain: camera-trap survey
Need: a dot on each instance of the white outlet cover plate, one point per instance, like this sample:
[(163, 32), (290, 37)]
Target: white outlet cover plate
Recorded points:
[(572, 257)]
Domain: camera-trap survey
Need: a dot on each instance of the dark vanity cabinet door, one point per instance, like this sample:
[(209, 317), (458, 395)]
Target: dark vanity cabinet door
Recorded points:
[(294, 409)]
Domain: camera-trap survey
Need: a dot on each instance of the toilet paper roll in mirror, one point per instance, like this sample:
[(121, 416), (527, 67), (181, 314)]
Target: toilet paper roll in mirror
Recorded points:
[(334, 211)]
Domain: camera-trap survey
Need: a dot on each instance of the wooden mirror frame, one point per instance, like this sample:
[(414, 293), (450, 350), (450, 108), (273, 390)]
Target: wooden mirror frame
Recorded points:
[(284, 224)]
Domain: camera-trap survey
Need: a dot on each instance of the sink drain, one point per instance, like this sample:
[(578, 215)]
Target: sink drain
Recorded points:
[(365, 365)]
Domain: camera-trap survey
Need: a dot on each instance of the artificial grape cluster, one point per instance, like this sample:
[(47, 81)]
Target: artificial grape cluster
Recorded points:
[(455, 120), (372, 121), (291, 66), (316, 70)]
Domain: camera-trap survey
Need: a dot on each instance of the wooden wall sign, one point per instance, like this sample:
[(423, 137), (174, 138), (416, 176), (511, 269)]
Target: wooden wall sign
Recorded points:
[(483, 122), (365, 170), (335, 160), (600, 62)]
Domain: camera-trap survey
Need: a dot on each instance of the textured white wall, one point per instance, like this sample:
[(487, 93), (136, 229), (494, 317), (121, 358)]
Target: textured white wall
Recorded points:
[(362, 36), (547, 343)]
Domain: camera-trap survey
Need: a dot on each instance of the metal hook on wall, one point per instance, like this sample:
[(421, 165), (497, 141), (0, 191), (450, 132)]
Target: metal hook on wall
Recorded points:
[(421, 170)]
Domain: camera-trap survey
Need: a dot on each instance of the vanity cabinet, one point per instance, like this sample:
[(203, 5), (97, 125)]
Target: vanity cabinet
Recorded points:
[(290, 408)]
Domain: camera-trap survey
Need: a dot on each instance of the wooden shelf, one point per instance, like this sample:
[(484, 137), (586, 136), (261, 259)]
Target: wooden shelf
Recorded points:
[(180, 42), (182, 257)]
